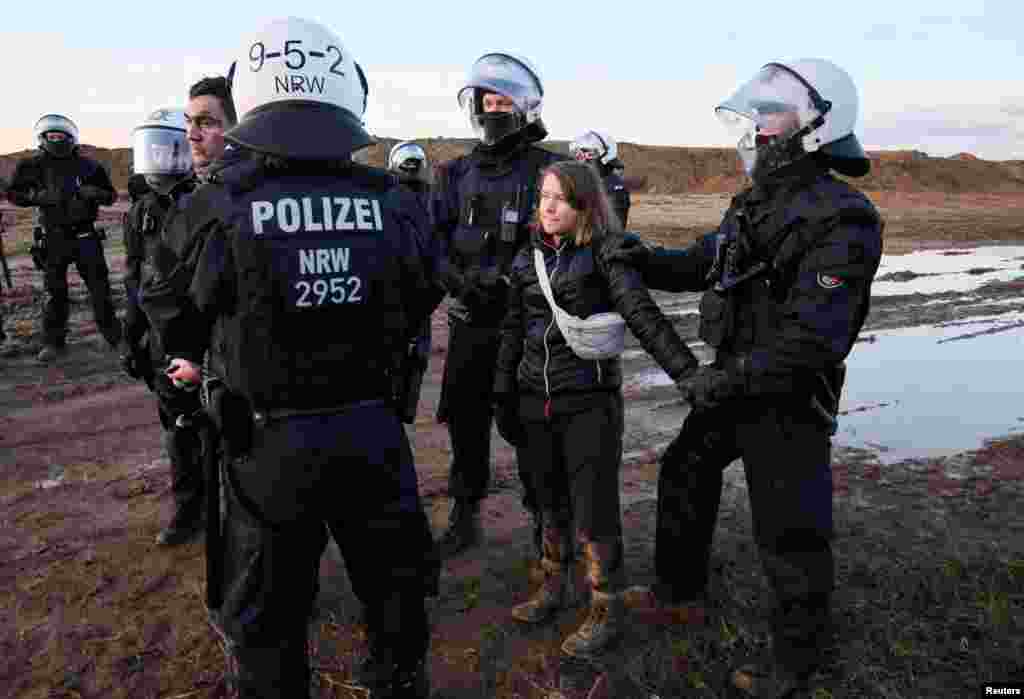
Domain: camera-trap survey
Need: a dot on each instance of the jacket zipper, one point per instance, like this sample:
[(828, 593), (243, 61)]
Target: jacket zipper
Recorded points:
[(547, 350)]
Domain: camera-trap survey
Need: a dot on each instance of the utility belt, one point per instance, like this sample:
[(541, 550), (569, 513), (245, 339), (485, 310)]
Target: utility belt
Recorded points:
[(236, 419)]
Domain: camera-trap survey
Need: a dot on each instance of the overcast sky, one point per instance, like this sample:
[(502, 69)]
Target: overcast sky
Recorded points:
[(937, 76)]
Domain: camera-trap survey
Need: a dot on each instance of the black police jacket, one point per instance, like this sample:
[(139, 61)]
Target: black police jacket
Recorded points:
[(64, 177), (618, 195), (163, 290), (307, 284), (481, 210), (142, 226), (786, 277), (534, 357)]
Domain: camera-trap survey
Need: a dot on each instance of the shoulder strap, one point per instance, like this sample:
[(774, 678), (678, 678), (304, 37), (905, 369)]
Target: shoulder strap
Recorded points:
[(545, 286)]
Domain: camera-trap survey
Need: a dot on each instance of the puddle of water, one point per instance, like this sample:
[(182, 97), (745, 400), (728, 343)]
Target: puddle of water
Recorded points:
[(951, 271), (920, 392), (927, 395)]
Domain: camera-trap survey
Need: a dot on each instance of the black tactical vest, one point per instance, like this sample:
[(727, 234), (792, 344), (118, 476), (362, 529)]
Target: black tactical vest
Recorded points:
[(318, 317), (761, 243)]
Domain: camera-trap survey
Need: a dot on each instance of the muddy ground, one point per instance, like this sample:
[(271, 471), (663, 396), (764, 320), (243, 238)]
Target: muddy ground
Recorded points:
[(930, 549)]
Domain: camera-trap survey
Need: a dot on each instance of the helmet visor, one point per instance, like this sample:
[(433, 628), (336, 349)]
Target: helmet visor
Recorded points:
[(160, 151), (503, 75), (775, 102)]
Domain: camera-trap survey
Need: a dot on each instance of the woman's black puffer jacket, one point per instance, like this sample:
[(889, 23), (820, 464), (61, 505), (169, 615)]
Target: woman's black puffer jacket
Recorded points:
[(534, 357)]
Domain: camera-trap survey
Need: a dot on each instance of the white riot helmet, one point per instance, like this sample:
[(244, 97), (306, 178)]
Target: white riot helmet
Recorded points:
[(160, 145), (408, 160), (46, 133), (793, 108), (594, 146), (298, 93), (509, 75)]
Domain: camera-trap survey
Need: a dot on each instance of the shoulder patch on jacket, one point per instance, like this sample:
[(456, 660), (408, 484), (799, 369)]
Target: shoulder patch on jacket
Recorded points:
[(827, 281)]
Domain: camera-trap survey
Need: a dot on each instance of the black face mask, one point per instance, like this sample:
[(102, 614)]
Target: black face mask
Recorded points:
[(498, 126), (775, 153), (58, 149)]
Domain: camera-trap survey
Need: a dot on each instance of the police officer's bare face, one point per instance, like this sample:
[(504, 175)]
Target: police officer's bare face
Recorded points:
[(493, 102), (556, 214), (206, 123)]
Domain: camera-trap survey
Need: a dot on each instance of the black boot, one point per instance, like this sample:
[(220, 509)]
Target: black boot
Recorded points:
[(384, 679), (184, 526), (464, 529)]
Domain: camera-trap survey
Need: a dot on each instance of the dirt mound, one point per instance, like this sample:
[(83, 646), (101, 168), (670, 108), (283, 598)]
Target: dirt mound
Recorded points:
[(676, 170)]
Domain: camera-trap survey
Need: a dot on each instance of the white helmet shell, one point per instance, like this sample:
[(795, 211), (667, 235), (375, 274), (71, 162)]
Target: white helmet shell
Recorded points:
[(298, 93), (835, 86), (160, 144), (55, 122), (811, 98), (597, 142)]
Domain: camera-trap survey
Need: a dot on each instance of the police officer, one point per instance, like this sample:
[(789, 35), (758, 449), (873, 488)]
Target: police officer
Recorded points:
[(162, 179), (308, 285), (480, 212), (68, 190), (601, 150), (409, 162), (787, 285)]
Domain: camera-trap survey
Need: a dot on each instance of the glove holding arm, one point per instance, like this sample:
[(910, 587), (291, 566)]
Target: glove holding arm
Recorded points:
[(709, 387), (632, 251)]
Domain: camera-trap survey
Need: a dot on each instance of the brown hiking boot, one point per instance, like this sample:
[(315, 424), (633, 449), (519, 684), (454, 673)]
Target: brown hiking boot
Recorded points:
[(602, 626), (549, 598)]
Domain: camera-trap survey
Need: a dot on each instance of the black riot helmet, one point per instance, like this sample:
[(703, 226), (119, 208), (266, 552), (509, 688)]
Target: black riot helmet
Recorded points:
[(56, 135), (298, 93)]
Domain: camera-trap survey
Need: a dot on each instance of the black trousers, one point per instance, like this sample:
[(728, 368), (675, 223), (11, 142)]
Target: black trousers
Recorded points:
[(354, 472), (574, 463), (183, 444), (87, 256), (466, 407), (786, 452)]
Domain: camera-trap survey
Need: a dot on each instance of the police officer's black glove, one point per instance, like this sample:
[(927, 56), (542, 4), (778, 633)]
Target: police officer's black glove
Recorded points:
[(508, 421), (709, 387), (91, 192), (632, 251)]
